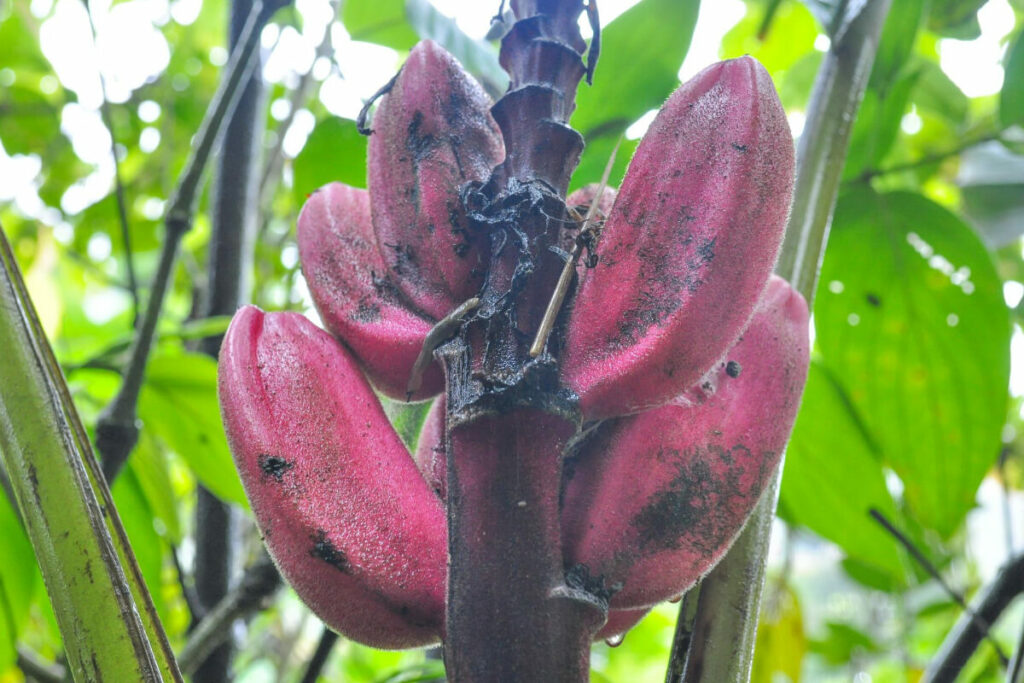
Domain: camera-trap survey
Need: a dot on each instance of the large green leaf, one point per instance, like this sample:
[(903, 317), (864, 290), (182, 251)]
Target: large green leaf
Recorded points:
[(991, 181), (936, 93), (901, 26), (1011, 99), (401, 23), (877, 125), (335, 151), (911, 322), (379, 21), (28, 117), (833, 477), (641, 52), (17, 581), (149, 466), (137, 516), (179, 404), (778, 41)]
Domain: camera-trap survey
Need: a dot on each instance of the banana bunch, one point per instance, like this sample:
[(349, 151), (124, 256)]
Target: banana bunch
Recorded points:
[(682, 357)]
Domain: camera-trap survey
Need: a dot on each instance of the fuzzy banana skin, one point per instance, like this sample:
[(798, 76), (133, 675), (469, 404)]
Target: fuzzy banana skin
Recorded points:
[(688, 245), (355, 292), (346, 516), (432, 134), (657, 498)]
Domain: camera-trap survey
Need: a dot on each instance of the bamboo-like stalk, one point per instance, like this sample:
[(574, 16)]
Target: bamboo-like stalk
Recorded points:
[(104, 612), (722, 647)]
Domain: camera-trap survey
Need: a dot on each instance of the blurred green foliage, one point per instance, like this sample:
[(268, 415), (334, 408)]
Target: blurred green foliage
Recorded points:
[(907, 407)]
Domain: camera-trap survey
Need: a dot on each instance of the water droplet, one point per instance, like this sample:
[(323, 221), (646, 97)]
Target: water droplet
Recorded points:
[(615, 641)]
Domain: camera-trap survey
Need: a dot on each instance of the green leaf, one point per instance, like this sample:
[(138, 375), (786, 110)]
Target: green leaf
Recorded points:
[(897, 42), (407, 419), (991, 183), (832, 476), (641, 52), (642, 654), (912, 324), (137, 516), (955, 18), (478, 58), (843, 643), (870, 576), (17, 581), (795, 83), (780, 44), (379, 21), (28, 117), (877, 125), (595, 160), (179, 403), (1011, 98), (150, 468), (936, 93), (335, 151)]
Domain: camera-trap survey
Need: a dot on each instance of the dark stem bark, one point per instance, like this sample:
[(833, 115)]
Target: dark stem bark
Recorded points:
[(967, 634), (683, 636), (323, 651), (259, 582), (233, 219), (513, 614)]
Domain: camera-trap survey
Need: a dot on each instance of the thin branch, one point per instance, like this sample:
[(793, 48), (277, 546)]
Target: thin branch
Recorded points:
[(36, 668), (117, 429), (964, 638), (259, 582), (1016, 673), (188, 591), (1004, 454), (683, 635), (323, 650), (927, 160), (122, 212), (933, 572)]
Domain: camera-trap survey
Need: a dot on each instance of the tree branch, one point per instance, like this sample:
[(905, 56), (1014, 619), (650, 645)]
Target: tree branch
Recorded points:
[(117, 429), (36, 668), (258, 583), (966, 635), (323, 650), (926, 160), (980, 623), (683, 636)]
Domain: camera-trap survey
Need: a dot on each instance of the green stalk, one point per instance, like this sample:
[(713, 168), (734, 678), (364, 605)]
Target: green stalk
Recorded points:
[(725, 630), (103, 609)]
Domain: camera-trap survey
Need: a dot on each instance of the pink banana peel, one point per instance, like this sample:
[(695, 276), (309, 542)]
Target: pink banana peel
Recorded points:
[(688, 245), (433, 134), (653, 500), (657, 498), (591, 481), (343, 510)]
